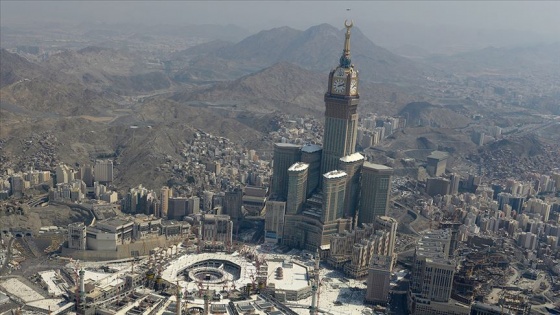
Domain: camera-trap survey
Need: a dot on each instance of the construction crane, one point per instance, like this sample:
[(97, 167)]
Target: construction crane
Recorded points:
[(253, 281)]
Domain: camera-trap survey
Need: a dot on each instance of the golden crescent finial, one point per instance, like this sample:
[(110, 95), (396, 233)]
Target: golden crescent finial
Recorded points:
[(348, 25)]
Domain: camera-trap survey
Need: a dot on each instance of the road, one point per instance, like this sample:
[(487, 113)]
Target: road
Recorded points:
[(4, 268)]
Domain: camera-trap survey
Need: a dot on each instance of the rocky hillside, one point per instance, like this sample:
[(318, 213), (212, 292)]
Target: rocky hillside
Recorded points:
[(317, 48), (35, 90), (111, 70), (287, 88), (427, 114)]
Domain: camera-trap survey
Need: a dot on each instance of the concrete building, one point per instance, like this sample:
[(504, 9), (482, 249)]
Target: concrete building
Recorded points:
[(177, 208), (334, 192), (86, 172), (432, 276), (285, 155), (438, 186), (164, 194), (254, 200), (352, 165), (437, 163), (274, 221), (379, 279), (207, 201), (233, 205), (193, 205), (216, 231), (103, 171), (454, 180), (375, 190), (324, 197), (77, 236), (353, 251), (311, 155), (297, 187), (64, 174), (107, 234)]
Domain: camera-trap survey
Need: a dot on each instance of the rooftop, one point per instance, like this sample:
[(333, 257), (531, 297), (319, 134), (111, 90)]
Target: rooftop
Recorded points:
[(335, 174), (378, 167), (311, 148), (286, 145), (352, 158), (438, 155), (49, 277), (298, 167), (294, 276)]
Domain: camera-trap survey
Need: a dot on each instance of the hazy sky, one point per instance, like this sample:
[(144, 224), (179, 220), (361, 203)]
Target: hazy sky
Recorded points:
[(538, 17)]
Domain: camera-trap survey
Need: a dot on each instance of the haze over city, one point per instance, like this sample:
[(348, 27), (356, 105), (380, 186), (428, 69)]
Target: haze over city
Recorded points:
[(279, 158), (430, 25)]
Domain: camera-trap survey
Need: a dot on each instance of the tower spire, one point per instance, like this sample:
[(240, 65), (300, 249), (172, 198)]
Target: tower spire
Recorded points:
[(345, 58)]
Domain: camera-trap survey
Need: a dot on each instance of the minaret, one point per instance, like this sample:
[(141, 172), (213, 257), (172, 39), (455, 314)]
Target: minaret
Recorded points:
[(82, 289), (179, 304), (207, 301), (314, 309), (341, 110)]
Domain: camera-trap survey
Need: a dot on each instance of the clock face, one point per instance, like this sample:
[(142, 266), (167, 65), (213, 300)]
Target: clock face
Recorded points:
[(339, 85), (354, 86)]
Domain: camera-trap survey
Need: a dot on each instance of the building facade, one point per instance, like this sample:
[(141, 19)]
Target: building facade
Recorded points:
[(327, 188)]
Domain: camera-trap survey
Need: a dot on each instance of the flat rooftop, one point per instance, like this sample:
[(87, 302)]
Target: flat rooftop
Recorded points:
[(286, 145), (438, 155), (352, 158), (378, 167), (294, 275), (21, 290), (311, 148), (335, 174), (49, 277), (298, 167)]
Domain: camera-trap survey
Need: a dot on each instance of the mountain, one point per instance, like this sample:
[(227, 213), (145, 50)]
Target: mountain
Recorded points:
[(319, 48), (290, 89), (427, 114), (111, 70), (35, 90), (15, 68), (281, 87)]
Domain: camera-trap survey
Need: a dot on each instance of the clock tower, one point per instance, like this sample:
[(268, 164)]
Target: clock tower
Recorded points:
[(341, 116)]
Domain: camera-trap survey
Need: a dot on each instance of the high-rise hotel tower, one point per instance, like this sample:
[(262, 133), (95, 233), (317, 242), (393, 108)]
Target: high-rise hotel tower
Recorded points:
[(341, 114), (322, 188)]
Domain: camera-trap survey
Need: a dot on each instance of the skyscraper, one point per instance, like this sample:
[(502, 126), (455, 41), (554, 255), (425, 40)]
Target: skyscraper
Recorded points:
[(164, 195), (334, 190), (341, 114), (352, 165), (285, 155), (322, 185), (376, 187), (297, 187), (103, 171)]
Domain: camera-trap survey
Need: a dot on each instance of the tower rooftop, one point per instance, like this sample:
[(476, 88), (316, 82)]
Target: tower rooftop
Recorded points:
[(335, 174), (352, 158), (378, 167), (311, 148), (298, 167)]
